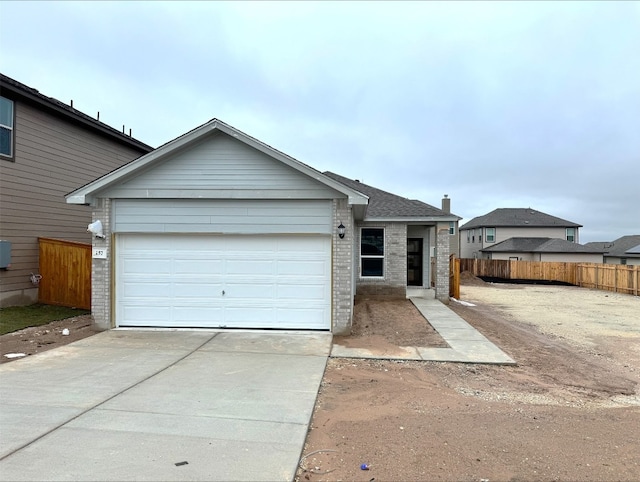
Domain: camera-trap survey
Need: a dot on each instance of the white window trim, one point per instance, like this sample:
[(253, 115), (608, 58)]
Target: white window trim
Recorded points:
[(486, 238), (452, 227), (11, 129), (370, 256), (573, 235)]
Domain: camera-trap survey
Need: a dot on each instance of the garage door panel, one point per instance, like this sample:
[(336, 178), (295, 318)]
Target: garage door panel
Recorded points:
[(179, 280), (198, 266)]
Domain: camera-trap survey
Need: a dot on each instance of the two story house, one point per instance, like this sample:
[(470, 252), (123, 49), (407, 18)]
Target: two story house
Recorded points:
[(47, 148), (624, 250), (502, 224)]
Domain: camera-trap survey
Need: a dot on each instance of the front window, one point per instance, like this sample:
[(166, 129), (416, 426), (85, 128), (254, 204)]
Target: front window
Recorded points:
[(372, 252), (452, 227), (571, 234), (6, 127), (468, 235), (491, 235)]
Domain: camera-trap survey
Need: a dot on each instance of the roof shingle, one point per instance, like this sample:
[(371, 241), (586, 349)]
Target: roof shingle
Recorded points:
[(517, 217), (383, 204)]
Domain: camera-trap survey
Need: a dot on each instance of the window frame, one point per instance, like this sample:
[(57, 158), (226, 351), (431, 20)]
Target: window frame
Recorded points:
[(452, 228), (573, 235), (468, 235), (12, 130), (373, 256), (490, 238)]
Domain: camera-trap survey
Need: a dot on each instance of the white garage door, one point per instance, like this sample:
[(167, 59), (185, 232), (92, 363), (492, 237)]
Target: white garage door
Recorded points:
[(223, 281)]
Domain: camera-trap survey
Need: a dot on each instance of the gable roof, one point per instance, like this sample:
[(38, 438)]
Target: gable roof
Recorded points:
[(626, 246), (15, 90), (517, 217), (86, 193), (385, 206), (540, 245)]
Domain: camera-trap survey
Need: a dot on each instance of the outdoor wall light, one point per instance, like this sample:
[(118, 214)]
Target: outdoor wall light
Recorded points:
[(341, 229)]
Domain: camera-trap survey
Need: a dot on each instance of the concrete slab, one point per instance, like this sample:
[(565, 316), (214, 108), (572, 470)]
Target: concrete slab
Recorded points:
[(237, 409)]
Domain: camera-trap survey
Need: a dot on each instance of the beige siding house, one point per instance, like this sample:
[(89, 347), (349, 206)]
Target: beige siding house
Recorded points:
[(47, 149), (503, 224)]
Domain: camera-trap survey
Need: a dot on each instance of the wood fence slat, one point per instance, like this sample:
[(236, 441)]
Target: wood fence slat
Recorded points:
[(65, 267)]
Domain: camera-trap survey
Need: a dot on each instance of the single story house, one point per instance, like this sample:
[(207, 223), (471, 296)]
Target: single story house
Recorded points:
[(624, 250), (217, 229), (542, 249)]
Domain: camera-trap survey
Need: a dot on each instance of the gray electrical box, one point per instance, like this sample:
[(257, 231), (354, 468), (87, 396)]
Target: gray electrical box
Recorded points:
[(5, 254)]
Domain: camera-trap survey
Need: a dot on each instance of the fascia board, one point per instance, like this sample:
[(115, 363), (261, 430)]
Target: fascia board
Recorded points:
[(412, 220)]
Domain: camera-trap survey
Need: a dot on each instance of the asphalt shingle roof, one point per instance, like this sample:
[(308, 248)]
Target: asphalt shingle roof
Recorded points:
[(517, 217), (621, 247), (540, 245), (383, 204)]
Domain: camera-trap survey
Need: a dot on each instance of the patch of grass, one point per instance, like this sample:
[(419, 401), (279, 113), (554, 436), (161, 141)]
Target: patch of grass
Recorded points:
[(15, 318)]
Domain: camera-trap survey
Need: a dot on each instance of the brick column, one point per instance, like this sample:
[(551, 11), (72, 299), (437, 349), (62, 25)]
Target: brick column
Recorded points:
[(101, 269), (341, 275), (442, 263)]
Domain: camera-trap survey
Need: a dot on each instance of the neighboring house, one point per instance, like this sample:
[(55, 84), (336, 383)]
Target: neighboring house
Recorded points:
[(501, 224), (218, 229), (624, 250), (47, 148), (543, 249)]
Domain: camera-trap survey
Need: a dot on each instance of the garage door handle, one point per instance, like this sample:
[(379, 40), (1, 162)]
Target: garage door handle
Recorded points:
[(222, 292)]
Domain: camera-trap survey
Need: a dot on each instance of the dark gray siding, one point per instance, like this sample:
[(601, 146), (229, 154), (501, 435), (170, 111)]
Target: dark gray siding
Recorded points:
[(52, 158)]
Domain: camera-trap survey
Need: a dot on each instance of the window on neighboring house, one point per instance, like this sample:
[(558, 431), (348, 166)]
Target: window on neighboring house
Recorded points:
[(623, 260), (480, 237), (372, 252), (571, 234), (6, 127), (468, 235), (473, 235), (491, 235), (452, 227)]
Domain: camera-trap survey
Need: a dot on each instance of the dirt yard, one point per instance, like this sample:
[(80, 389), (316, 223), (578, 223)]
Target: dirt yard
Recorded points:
[(41, 338), (570, 409)]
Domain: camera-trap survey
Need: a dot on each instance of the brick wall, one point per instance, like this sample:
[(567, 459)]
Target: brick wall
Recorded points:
[(342, 272), (394, 283), (101, 270), (442, 262)]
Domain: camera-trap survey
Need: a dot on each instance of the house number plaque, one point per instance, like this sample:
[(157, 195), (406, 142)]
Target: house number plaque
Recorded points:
[(99, 253)]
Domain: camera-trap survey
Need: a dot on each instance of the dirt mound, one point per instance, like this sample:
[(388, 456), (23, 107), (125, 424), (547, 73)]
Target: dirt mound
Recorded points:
[(468, 278)]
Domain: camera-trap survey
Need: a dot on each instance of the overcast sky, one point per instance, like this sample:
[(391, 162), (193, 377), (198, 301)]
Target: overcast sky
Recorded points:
[(497, 104)]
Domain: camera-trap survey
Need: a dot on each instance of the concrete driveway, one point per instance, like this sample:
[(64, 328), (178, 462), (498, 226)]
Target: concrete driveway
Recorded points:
[(161, 405)]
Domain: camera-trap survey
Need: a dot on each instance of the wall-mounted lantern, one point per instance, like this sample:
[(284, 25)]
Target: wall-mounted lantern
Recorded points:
[(341, 230)]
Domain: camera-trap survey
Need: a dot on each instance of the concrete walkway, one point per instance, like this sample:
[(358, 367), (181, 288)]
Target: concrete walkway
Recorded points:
[(467, 345), (161, 405)]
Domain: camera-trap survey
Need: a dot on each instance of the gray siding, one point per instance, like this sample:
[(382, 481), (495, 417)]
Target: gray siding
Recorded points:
[(224, 168), (52, 158), (222, 216)]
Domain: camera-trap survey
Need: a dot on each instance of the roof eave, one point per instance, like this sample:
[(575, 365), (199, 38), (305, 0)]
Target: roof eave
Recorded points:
[(410, 219)]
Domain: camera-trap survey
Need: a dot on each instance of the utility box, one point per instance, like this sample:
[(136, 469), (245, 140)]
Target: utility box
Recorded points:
[(5, 254)]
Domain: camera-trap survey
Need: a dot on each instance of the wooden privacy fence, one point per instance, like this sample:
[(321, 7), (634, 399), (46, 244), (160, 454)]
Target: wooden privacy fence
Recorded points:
[(454, 277), (610, 277), (65, 267)]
